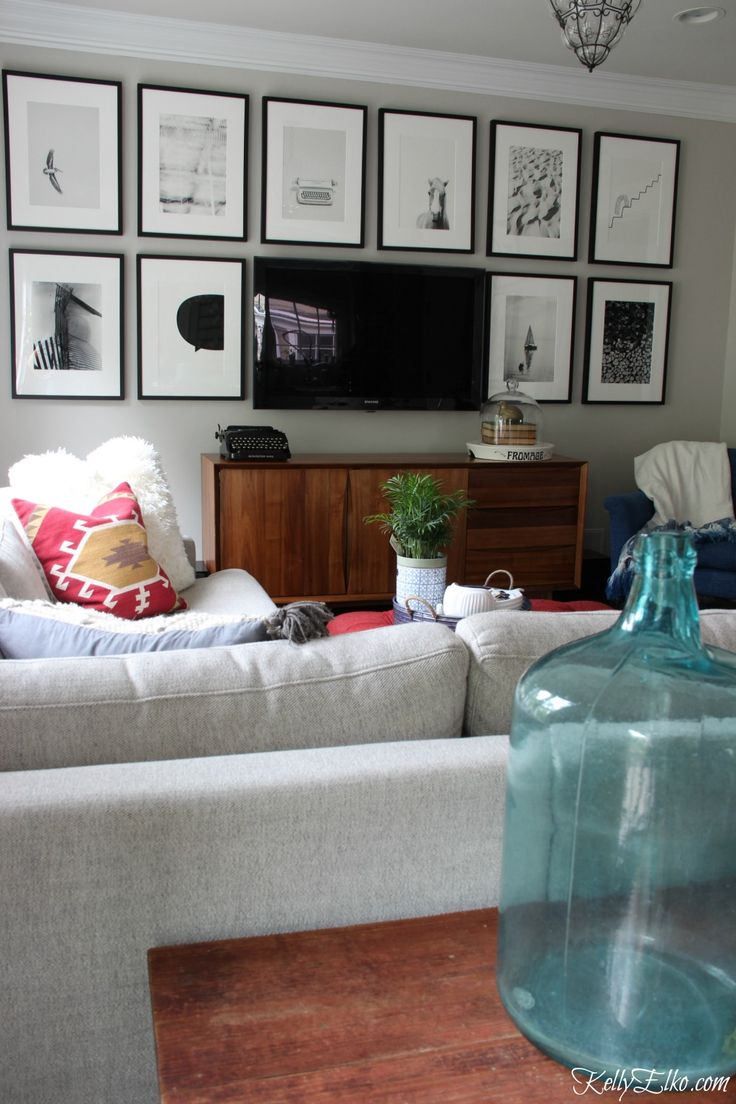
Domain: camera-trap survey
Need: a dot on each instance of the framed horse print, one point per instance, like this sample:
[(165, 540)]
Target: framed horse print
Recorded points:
[(533, 191), (313, 172), (426, 181), (63, 154)]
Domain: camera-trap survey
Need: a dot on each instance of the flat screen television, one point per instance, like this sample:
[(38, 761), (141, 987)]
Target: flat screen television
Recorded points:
[(354, 335)]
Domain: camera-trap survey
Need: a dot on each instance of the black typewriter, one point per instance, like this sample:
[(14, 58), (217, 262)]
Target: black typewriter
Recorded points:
[(252, 443)]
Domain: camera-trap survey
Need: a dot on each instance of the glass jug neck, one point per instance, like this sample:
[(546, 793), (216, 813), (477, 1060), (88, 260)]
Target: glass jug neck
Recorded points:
[(662, 597)]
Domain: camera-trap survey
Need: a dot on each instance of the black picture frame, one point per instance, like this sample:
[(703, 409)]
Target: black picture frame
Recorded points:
[(533, 191), (70, 130), (627, 341), (530, 333), (313, 172), (49, 358), (426, 181), (191, 347), (192, 163), (634, 201)]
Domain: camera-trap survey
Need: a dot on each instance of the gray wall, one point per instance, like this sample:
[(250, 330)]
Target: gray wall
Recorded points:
[(702, 358)]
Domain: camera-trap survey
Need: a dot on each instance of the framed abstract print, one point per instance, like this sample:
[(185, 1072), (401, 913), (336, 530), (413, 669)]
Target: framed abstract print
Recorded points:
[(192, 163), (190, 328)]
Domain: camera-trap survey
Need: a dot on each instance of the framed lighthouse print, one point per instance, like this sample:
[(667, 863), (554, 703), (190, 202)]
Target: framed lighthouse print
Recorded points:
[(530, 326), (62, 153)]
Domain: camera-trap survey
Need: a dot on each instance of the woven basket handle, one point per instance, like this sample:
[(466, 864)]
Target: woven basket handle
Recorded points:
[(501, 571), (416, 598)]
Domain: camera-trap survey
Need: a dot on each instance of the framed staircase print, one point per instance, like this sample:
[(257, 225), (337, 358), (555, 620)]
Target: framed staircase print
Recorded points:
[(632, 219)]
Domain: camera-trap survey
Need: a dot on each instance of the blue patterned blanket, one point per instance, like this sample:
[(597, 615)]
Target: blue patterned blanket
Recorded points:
[(617, 587)]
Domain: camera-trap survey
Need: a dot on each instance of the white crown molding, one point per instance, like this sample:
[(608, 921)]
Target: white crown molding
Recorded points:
[(91, 30)]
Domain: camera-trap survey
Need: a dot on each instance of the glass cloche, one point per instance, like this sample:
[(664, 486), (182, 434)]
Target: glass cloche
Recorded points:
[(511, 417)]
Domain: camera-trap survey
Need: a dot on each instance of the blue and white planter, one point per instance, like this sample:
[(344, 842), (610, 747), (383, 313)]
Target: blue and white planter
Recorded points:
[(424, 578)]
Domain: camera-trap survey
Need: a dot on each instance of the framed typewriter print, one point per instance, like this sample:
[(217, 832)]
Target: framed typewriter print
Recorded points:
[(531, 321), (426, 181), (192, 152), (634, 197), (533, 191), (190, 327), (66, 325), (62, 153), (313, 172), (626, 341)]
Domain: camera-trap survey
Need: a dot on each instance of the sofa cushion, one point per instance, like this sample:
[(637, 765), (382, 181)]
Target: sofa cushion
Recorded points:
[(402, 682), (46, 630), (99, 560), (76, 484), (503, 645), (20, 573)]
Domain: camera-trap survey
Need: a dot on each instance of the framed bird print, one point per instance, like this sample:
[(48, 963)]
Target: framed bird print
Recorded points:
[(62, 153)]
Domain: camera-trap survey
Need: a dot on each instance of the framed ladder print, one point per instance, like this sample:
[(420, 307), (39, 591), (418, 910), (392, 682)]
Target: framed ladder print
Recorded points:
[(632, 218)]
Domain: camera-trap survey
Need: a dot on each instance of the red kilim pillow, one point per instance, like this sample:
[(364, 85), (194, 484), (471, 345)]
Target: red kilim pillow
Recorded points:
[(100, 560)]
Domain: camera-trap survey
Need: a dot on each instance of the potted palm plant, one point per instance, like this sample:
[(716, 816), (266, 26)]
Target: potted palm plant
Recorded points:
[(420, 523)]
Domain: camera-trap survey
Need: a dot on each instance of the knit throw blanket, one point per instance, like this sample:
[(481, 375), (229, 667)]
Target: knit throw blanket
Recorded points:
[(617, 587)]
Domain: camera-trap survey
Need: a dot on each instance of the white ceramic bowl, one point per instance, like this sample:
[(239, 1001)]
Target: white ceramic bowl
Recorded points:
[(461, 601)]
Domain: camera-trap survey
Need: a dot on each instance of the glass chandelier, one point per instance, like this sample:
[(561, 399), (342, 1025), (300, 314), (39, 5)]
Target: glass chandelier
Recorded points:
[(593, 27)]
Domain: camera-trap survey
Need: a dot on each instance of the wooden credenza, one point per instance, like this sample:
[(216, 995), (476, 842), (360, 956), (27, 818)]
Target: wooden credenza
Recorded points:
[(297, 526)]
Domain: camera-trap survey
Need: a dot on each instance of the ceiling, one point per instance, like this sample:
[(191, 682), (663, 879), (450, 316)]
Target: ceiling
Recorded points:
[(653, 46)]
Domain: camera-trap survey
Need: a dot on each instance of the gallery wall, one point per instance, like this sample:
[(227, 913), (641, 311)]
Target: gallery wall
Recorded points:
[(700, 376)]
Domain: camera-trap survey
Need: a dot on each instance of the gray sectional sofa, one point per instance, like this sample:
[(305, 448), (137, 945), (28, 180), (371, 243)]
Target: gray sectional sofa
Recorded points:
[(202, 794)]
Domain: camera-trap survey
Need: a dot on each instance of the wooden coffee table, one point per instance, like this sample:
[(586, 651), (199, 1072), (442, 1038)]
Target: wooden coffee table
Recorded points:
[(404, 1012)]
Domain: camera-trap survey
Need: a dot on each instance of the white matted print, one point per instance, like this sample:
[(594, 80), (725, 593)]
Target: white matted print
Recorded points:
[(313, 172), (627, 340), (190, 328), (426, 181), (66, 318), (634, 198), (530, 334), (192, 149), (533, 191), (62, 153)]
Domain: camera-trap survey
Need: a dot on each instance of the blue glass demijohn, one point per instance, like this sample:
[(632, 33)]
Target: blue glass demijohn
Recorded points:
[(617, 937)]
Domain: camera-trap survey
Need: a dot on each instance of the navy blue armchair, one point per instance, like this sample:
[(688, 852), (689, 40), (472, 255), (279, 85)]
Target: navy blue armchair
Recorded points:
[(715, 574)]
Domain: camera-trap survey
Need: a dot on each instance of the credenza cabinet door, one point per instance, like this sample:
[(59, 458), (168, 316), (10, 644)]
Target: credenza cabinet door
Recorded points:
[(286, 526)]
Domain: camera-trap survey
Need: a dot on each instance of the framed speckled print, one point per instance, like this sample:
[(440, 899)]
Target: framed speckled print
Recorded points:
[(626, 341)]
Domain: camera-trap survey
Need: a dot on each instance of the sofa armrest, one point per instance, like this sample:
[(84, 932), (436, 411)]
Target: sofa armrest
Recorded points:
[(100, 863), (628, 513)]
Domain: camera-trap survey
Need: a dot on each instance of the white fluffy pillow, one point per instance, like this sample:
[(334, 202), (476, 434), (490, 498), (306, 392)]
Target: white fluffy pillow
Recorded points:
[(62, 479)]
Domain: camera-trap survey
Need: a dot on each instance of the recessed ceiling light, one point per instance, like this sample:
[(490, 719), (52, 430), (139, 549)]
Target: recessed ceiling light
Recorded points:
[(692, 17)]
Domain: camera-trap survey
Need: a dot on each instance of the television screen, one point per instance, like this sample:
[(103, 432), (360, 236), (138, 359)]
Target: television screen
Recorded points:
[(332, 335)]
